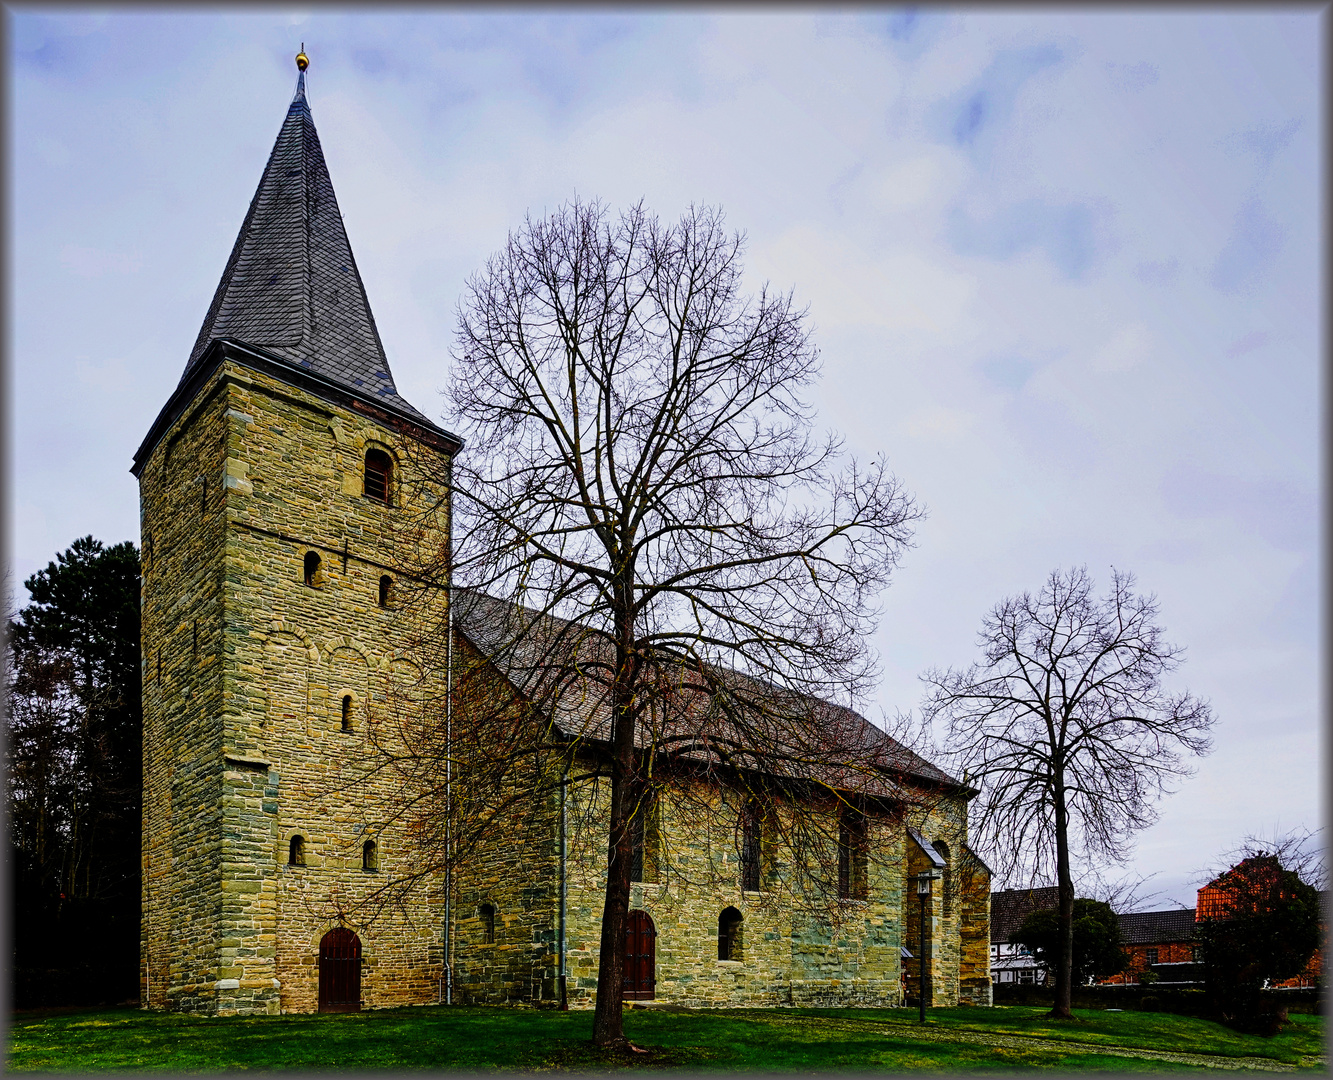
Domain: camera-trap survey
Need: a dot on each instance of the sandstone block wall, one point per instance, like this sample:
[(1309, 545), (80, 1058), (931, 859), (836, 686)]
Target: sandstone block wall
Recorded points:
[(182, 537), (269, 703), (277, 760), (794, 950)]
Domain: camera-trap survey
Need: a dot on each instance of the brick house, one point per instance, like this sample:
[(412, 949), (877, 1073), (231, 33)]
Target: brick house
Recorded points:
[(1163, 941), (1158, 941), (278, 484)]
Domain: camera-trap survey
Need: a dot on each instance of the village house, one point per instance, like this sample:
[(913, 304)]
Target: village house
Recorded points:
[(284, 485), (1010, 963), (1161, 942)]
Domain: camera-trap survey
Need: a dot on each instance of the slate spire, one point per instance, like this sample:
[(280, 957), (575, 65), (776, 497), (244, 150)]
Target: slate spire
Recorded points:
[(291, 286)]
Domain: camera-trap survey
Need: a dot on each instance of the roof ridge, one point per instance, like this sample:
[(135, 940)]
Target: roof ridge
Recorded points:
[(494, 650)]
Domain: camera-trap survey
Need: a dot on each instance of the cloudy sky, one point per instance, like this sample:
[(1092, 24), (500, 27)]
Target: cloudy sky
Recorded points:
[(1063, 268)]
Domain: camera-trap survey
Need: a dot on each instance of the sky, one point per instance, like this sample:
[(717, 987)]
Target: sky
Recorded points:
[(1063, 267)]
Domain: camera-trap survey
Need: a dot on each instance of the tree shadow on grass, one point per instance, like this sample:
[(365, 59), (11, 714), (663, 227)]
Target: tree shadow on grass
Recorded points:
[(584, 1057)]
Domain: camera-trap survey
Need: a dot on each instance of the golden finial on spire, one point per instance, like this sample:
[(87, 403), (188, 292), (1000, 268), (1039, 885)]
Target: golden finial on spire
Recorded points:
[(302, 61)]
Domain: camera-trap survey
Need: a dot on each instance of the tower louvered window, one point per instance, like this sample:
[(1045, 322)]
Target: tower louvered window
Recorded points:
[(379, 476)]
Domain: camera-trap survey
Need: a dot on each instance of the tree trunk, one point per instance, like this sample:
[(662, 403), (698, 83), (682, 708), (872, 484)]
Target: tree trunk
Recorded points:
[(607, 1026), (1064, 968)]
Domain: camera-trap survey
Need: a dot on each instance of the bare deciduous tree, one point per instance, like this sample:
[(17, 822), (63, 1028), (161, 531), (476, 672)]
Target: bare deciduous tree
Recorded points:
[(1067, 731), (1300, 850), (694, 570)]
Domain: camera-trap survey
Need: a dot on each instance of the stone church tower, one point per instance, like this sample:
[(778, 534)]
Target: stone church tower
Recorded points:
[(277, 486)]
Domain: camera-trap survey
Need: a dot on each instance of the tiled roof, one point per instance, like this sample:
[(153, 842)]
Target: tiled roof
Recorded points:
[(291, 285), (539, 653), (1157, 927), (1010, 907)]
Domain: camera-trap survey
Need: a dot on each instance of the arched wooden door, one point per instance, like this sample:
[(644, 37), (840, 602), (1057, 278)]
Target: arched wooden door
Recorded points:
[(640, 957), (340, 971)]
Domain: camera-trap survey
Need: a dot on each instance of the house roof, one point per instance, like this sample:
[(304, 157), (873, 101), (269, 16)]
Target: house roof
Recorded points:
[(1009, 907), (291, 286), (1157, 927), (556, 661)]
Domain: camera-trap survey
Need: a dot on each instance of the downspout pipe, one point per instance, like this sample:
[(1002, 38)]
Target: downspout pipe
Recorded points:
[(564, 834), (449, 803), (449, 755)]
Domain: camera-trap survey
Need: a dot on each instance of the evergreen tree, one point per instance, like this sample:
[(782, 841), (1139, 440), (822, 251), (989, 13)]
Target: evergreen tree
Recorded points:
[(74, 725)]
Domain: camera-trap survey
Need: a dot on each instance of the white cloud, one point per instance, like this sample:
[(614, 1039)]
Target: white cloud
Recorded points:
[(93, 263), (937, 421), (1130, 346), (899, 290)]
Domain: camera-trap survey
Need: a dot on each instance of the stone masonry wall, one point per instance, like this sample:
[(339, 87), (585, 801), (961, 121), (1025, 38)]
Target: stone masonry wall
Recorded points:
[(248, 745), (974, 982), (286, 654), (182, 539), (791, 954)]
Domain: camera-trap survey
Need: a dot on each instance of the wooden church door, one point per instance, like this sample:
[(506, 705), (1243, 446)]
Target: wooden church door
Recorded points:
[(640, 957), (340, 971)]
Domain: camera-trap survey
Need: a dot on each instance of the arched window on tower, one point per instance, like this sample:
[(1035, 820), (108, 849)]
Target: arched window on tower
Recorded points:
[(347, 712), (370, 855), (312, 568), (386, 590), (486, 913), (296, 851), (379, 475)]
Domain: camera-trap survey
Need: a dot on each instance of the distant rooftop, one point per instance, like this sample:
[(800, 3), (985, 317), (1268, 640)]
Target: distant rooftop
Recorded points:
[(1156, 927), (1010, 907)]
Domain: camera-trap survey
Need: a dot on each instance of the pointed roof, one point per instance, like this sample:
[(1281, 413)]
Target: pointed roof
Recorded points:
[(291, 286)]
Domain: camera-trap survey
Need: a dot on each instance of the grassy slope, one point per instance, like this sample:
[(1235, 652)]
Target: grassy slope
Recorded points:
[(475, 1039)]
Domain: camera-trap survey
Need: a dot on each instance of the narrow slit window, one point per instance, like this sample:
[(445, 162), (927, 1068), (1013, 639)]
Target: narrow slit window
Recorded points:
[(751, 846), (386, 590), (946, 876), (643, 840), (370, 857), (312, 568), (729, 934), (487, 914), (296, 851), (379, 476), (347, 712), (852, 856)]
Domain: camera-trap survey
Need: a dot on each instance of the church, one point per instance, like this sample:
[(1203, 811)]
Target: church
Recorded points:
[(283, 488)]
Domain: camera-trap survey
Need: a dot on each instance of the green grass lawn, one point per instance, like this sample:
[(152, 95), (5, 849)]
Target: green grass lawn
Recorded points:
[(1302, 1037), (490, 1039)]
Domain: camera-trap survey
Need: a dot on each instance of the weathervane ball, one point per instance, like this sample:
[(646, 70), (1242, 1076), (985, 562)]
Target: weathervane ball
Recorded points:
[(302, 61)]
